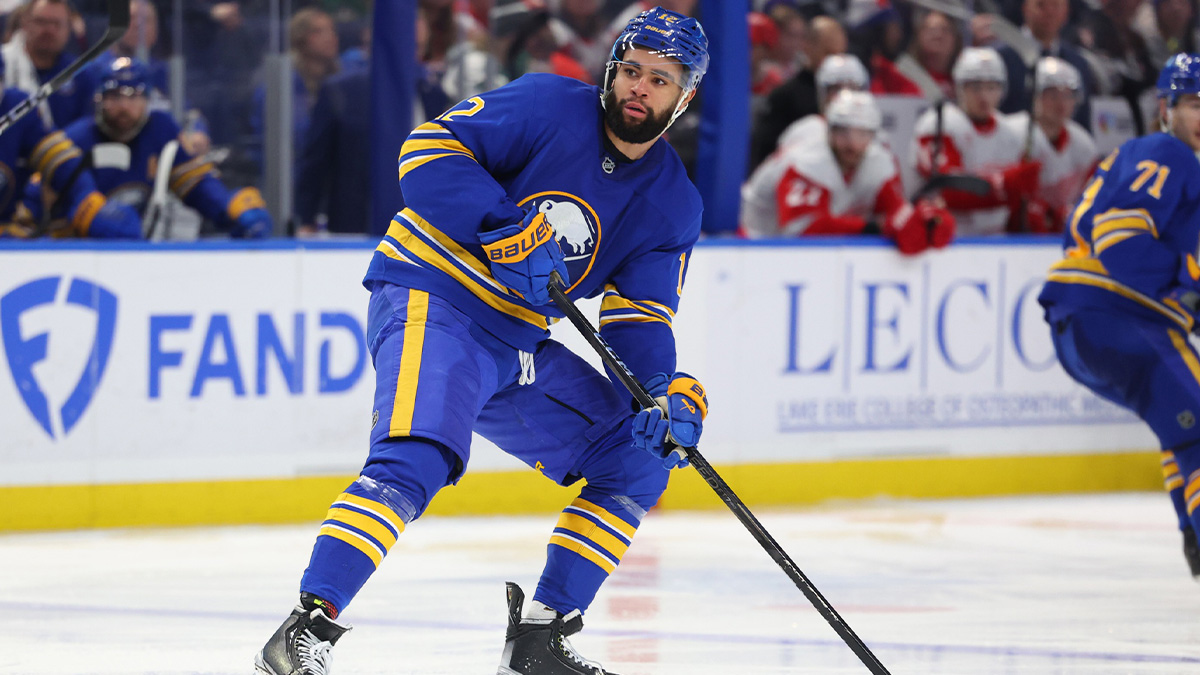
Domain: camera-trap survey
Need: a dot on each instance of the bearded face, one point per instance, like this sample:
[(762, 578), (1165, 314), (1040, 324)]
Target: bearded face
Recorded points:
[(633, 120)]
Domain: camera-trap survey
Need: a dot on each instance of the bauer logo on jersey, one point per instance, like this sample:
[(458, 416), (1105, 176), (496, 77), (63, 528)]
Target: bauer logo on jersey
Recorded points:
[(40, 321), (576, 227)]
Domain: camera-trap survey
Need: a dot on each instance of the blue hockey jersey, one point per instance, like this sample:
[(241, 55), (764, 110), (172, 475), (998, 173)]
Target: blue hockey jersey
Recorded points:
[(1127, 236), (27, 148), (626, 227), (125, 172)]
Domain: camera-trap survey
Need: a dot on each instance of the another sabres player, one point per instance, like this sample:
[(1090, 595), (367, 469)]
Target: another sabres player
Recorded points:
[(130, 148), (1065, 150), (1126, 294), (28, 148), (840, 180), (544, 174), (973, 140)]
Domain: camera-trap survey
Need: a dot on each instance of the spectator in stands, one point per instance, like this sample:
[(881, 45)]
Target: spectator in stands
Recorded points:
[(38, 52), (314, 55), (580, 33), (840, 180), (532, 48), (972, 139), (877, 38), (222, 56), (837, 73), (1124, 67), (936, 44), (796, 97), (1170, 28), (765, 73), (1063, 147), (793, 29), (1044, 22)]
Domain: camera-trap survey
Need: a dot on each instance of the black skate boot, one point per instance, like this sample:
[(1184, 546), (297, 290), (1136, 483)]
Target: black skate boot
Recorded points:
[(542, 648), (301, 645), (1191, 551)]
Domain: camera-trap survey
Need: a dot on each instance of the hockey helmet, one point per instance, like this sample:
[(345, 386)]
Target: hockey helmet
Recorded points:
[(842, 70), (668, 33), (127, 76), (979, 64), (1054, 73), (854, 110), (1179, 76)]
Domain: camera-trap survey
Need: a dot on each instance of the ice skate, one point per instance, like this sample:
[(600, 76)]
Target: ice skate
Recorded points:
[(301, 645), (1191, 552), (542, 648)]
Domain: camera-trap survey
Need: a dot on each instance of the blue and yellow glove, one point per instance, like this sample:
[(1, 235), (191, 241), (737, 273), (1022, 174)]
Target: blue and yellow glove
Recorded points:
[(1184, 296), (115, 221), (686, 405), (248, 211), (523, 255)]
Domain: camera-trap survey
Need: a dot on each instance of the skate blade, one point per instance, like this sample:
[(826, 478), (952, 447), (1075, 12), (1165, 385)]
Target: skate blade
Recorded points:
[(506, 671)]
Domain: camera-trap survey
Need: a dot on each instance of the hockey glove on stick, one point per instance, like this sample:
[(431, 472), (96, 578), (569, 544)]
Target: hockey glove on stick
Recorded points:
[(685, 404), (523, 255)]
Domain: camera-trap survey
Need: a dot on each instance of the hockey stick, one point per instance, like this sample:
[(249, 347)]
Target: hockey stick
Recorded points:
[(715, 482), (963, 182), (118, 23), (158, 197)]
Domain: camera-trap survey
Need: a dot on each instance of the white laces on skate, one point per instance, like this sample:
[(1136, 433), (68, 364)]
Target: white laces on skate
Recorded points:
[(314, 653), (565, 645)]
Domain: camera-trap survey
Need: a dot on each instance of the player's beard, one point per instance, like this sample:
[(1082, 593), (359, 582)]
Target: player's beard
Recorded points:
[(642, 131)]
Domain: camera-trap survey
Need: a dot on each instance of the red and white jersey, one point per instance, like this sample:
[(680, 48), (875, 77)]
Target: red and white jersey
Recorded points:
[(802, 182), (803, 129), (980, 149), (1066, 164)]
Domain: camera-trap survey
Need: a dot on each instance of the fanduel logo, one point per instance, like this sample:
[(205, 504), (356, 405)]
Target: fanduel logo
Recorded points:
[(26, 352)]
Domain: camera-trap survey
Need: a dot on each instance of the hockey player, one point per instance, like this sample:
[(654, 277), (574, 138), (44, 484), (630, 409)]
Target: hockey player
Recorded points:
[(836, 73), (26, 150), (973, 140), (840, 180), (541, 175), (1063, 147), (1123, 299), (125, 144)]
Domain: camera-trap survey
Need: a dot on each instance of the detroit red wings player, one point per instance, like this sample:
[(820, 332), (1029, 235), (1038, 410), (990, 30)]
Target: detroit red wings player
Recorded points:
[(840, 180), (975, 140)]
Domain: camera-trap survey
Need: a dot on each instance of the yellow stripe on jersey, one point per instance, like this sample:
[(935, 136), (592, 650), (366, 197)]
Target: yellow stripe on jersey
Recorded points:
[(585, 551), (367, 524), (354, 539), (188, 175), (1119, 219), (608, 518), (613, 545), (1106, 242), (376, 509), (479, 282), (1192, 492), (615, 307), (433, 143), (86, 212), (1186, 353), (1089, 272), (1171, 477), (405, 404), (47, 148)]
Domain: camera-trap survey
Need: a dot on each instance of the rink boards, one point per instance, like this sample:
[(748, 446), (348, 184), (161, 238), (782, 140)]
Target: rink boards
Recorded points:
[(224, 383)]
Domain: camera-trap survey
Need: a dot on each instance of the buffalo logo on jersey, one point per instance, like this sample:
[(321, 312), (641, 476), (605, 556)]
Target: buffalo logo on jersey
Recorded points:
[(28, 345), (576, 228)]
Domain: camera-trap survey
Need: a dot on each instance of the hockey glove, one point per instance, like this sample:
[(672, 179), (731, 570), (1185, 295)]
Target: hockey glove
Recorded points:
[(686, 405), (115, 221), (907, 228), (939, 223), (523, 255), (1021, 180), (249, 214)]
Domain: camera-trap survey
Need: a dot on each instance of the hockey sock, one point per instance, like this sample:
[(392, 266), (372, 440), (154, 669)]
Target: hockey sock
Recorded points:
[(310, 602), (1173, 482), (588, 542), (363, 523)]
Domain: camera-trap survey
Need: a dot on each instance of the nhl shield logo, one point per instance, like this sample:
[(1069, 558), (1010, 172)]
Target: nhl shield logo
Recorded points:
[(26, 347), (1186, 419), (576, 227)]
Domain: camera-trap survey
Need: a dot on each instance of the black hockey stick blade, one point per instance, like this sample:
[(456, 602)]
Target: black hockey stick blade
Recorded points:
[(118, 23), (963, 182), (718, 484)]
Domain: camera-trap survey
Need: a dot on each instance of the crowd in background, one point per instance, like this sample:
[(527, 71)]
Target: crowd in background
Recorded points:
[(907, 48)]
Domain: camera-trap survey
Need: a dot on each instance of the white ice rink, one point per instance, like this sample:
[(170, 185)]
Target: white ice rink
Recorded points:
[(1060, 585)]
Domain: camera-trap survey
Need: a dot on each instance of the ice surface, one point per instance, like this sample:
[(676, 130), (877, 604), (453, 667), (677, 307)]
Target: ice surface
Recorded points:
[(1072, 585)]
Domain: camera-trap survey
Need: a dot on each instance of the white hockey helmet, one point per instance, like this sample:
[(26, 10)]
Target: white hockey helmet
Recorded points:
[(854, 110), (843, 70), (1054, 73), (979, 64)]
